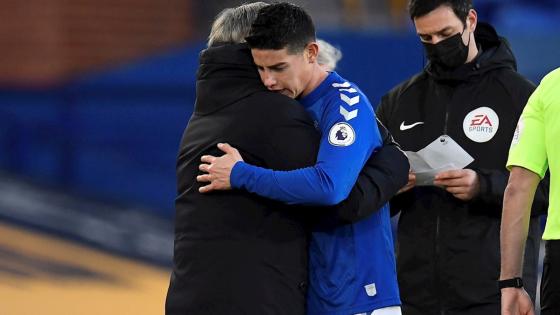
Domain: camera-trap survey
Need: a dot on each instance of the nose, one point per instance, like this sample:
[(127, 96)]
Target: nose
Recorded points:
[(268, 80), (436, 39)]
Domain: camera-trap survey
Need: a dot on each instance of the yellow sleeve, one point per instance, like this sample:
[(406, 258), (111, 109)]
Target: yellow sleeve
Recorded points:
[(528, 148)]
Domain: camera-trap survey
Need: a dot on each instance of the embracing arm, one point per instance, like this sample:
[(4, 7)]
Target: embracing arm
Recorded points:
[(326, 183), (346, 143)]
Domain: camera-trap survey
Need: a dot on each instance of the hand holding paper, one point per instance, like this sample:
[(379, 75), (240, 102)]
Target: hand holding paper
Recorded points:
[(463, 184), (443, 154)]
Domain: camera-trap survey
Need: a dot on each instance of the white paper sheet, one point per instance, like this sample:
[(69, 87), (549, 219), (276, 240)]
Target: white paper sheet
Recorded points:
[(426, 178), (442, 154)]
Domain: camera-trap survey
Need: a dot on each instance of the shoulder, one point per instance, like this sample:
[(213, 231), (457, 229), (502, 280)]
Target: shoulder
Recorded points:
[(346, 94), (513, 80), (276, 106), (345, 102), (549, 88), (410, 85), (551, 80), (517, 88)]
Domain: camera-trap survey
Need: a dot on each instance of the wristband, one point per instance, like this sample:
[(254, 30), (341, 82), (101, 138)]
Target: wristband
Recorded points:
[(510, 283)]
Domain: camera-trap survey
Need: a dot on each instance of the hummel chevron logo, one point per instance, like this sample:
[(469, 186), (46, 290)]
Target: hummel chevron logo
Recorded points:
[(341, 85), (350, 90), (350, 101), (348, 115), (406, 127)]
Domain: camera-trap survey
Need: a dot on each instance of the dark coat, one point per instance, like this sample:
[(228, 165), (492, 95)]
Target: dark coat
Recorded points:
[(448, 257), (235, 252)]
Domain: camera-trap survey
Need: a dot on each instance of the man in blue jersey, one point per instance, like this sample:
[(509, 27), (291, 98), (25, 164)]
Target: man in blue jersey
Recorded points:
[(352, 266)]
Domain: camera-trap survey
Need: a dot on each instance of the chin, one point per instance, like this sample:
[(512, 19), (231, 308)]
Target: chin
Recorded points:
[(287, 93)]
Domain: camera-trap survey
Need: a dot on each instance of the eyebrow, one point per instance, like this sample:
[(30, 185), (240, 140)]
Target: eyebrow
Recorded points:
[(447, 28), (274, 66), (277, 66)]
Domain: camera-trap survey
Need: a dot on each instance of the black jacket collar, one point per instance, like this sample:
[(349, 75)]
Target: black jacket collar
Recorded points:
[(226, 74)]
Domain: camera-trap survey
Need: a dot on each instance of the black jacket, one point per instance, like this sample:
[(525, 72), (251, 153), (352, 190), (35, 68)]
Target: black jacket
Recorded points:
[(448, 257), (235, 252)]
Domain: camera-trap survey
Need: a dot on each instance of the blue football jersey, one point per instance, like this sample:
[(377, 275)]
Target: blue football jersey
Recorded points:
[(352, 266)]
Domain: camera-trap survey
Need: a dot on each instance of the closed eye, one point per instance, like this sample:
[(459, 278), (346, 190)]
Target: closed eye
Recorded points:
[(443, 34), (278, 68), (425, 38)]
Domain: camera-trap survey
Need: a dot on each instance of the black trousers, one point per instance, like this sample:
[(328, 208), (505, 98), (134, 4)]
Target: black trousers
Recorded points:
[(550, 283)]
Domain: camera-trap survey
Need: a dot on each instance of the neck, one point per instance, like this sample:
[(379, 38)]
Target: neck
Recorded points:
[(473, 49), (317, 77)]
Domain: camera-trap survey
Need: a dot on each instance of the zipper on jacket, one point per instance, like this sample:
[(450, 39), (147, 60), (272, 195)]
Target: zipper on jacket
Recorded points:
[(436, 265), (446, 120), (445, 123), (438, 219)]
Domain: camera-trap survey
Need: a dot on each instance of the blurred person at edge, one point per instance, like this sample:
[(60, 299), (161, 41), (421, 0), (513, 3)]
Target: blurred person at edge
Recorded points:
[(448, 254), (328, 56), (533, 150), (235, 252)]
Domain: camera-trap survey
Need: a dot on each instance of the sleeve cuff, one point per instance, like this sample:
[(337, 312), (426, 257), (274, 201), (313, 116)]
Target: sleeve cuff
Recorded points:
[(483, 182), (484, 186), (236, 178), (529, 166)]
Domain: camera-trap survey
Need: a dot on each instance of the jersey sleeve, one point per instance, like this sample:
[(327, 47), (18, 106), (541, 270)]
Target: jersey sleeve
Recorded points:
[(528, 148), (349, 135)]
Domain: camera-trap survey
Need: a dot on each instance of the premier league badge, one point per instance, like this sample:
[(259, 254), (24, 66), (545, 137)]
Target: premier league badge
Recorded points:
[(342, 135)]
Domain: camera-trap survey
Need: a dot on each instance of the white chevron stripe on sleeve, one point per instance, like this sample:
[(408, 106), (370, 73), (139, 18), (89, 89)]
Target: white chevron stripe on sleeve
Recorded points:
[(348, 115), (350, 90), (350, 101), (341, 85)]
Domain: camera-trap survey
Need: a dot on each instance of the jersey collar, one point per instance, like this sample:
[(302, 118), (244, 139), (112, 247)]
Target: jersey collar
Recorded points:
[(321, 90)]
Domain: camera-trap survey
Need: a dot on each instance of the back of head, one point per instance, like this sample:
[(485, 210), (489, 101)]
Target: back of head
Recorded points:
[(282, 25), (419, 8), (232, 25), (328, 55)]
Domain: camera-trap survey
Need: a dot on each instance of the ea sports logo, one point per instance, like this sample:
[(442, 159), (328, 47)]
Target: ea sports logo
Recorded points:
[(481, 124)]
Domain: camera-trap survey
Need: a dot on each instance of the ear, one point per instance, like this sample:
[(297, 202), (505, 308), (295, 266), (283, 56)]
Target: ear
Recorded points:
[(311, 52), (472, 19)]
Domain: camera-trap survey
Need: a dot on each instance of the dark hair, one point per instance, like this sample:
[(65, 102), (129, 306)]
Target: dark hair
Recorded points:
[(419, 8), (282, 25)]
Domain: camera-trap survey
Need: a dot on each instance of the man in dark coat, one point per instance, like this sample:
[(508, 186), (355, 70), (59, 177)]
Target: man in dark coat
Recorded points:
[(235, 252), (448, 257)]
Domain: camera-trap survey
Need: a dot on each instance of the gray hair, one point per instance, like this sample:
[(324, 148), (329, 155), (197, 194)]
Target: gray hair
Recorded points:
[(328, 55), (232, 25)]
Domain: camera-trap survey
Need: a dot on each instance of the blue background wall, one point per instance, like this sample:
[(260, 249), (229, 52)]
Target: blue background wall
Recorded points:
[(114, 135)]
